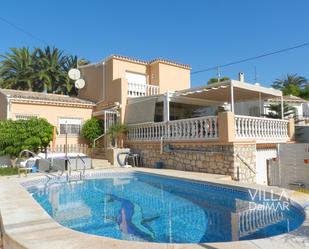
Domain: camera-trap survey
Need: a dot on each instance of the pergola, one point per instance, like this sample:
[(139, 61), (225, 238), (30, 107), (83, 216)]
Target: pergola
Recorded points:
[(230, 91)]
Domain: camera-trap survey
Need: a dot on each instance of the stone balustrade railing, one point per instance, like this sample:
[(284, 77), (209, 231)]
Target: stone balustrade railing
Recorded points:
[(138, 90), (226, 127), (260, 128), (184, 129)]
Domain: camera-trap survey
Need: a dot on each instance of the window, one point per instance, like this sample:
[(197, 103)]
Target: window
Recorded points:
[(70, 126), (25, 116)]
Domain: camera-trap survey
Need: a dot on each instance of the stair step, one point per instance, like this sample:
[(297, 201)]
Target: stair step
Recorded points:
[(101, 163)]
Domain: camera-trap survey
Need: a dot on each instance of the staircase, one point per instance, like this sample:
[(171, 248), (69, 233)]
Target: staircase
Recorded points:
[(101, 164), (99, 159), (98, 153)]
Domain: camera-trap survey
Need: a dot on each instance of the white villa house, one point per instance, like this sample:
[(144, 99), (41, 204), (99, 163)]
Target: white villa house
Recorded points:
[(217, 128)]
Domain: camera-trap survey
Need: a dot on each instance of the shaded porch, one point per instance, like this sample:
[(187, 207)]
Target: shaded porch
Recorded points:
[(229, 111)]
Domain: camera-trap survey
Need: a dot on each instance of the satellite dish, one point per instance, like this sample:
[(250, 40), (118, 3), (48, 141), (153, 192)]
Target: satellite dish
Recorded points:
[(80, 83), (74, 74)]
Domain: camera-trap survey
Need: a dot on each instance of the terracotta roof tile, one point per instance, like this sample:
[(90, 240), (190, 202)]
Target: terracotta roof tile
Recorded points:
[(28, 95), (174, 63)]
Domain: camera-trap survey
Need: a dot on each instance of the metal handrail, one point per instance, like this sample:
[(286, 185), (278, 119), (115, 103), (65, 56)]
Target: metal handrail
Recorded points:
[(245, 163), (84, 163), (96, 139)]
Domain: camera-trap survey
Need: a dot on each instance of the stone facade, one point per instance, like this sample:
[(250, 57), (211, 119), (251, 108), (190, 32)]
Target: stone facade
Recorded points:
[(245, 162), (225, 159)]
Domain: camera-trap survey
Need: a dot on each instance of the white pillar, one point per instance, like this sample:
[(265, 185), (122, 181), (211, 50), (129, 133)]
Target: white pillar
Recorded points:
[(282, 109), (260, 103), (232, 97), (166, 107)]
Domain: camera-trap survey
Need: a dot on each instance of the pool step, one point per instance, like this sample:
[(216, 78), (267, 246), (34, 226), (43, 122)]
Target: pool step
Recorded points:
[(101, 164)]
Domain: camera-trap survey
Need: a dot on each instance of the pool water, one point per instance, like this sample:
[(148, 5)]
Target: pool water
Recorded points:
[(144, 207)]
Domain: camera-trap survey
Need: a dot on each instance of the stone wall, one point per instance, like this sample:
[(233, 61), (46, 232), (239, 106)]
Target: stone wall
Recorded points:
[(245, 157), (200, 157)]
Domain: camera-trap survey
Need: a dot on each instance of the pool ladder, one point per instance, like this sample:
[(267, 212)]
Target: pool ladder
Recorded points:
[(81, 172)]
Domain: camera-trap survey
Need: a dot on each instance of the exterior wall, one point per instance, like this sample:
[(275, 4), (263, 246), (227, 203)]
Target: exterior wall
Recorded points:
[(121, 66), (172, 78), (106, 84), (3, 107), (244, 154), (201, 157), (52, 115), (94, 77)]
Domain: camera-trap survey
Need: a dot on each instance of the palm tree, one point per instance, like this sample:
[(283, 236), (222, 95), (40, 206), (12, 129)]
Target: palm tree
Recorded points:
[(73, 62), (290, 79), (17, 70), (49, 65), (117, 133), (41, 70), (275, 111)]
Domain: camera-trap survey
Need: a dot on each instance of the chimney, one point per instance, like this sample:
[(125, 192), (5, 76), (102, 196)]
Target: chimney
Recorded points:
[(241, 77)]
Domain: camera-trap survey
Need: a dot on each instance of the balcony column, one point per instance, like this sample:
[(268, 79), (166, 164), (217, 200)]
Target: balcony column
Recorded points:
[(226, 125), (282, 108), (166, 107), (260, 104), (291, 129), (232, 98)]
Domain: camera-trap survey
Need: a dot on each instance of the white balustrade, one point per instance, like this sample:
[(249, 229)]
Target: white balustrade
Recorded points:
[(260, 128), (138, 90), (184, 129)]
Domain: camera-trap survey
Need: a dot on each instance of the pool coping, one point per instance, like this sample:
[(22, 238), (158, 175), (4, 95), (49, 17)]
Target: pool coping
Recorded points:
[(25, 224)]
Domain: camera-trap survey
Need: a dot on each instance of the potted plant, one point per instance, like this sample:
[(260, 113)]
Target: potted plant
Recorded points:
[(117, 133)]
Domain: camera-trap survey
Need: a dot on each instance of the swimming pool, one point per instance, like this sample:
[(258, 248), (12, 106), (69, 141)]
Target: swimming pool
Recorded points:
[(145, 207)]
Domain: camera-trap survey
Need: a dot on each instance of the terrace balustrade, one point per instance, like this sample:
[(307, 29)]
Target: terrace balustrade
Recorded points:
[(226, 127), (185, 129), (139, 90), (260, 128)]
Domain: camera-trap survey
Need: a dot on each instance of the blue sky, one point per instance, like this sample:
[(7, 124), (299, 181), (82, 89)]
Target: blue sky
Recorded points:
[(200, 33)]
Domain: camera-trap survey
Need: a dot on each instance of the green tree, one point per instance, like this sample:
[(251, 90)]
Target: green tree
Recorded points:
[(73, 62), (92, 129), (41, 70), (274, 111), (49, 65), (290, 79), (17, 69), (34, 134), (215, 80)]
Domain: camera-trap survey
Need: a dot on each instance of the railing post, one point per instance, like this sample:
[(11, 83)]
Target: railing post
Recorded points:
[(291, 129), (226, 126)]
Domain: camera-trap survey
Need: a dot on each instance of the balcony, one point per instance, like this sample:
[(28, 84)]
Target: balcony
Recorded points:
[(141, 90), (185, 129), (226, 127)]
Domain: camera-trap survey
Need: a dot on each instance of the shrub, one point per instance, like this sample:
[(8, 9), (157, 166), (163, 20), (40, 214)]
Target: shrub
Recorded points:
[(92, 129), (34, 134)]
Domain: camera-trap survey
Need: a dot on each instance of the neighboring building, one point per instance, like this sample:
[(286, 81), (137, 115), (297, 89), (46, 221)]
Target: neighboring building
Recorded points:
[(64, 112), (300, 105)]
